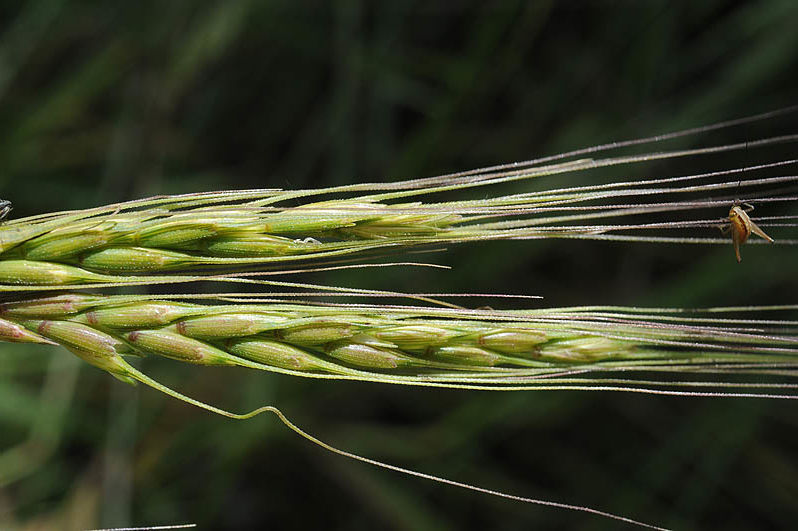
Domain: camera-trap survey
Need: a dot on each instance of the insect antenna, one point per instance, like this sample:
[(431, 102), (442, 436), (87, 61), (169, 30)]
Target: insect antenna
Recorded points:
[(747, 164)]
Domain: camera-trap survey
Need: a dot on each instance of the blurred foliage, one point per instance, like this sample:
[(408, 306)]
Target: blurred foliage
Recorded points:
[(105, 101)]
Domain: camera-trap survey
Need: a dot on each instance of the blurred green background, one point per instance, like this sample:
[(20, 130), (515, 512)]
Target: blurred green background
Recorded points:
[(108, 101)]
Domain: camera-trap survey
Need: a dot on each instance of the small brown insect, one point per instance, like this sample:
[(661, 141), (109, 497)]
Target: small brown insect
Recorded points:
[(741, 226)]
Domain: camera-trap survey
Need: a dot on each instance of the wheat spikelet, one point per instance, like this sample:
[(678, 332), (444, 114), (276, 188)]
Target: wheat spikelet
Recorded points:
[(586, 347), (201, 235), (158, 239)]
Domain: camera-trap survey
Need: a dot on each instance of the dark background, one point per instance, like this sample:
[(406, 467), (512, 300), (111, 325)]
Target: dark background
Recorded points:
[(101, 102)]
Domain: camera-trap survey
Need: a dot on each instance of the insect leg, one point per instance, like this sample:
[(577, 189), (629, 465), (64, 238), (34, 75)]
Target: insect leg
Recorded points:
[(737, 250)]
